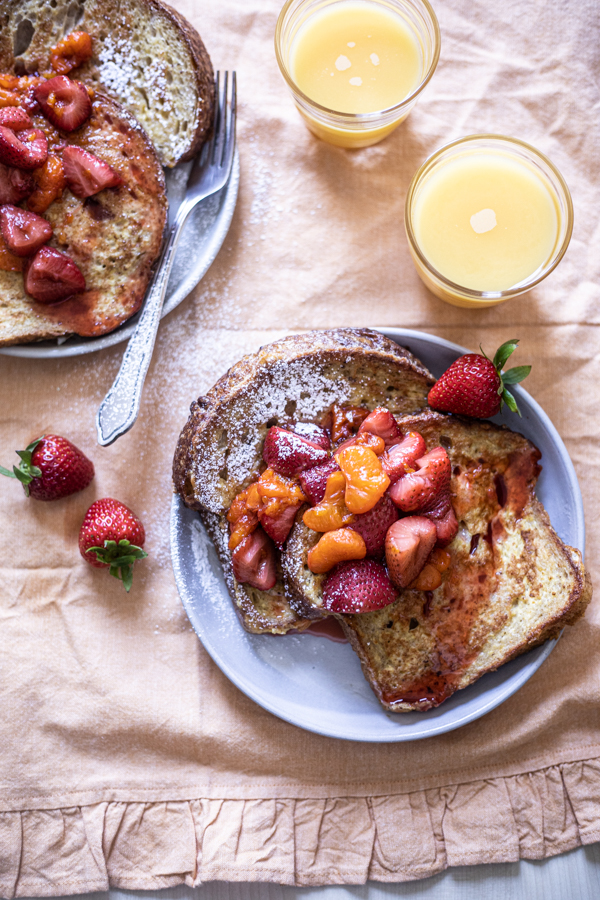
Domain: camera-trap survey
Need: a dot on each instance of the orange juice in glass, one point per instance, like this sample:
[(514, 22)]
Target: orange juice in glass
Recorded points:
[(487, 217), (356, 67)]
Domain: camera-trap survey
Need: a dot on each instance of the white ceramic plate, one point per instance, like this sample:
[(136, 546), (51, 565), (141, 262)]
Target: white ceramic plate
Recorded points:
[(202, 238), (319, 685)]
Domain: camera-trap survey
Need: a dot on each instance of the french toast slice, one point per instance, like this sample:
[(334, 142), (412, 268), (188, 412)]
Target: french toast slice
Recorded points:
[(145, 55), (114, 237), (511, 585), (296, 379)]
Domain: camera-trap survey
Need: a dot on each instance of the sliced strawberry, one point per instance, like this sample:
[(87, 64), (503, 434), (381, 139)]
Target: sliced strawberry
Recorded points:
[(15, 184), (289, 454), (421, 489), (407, 545), (52, 276), (23, 232), (86, 174), (399, 458), (314, 480), (382, 423), (358, 587), (65, 103), (446, 526), (254, 563), (373, 525), (313, 433), (278, 527), (27, 150), (15, 118)]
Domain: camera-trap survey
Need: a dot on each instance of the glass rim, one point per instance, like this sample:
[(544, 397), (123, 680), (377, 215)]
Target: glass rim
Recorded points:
[(359, 117), (523, 286)]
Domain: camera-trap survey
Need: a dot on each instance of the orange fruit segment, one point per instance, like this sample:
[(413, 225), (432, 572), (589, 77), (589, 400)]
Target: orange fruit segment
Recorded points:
[(366, 482), (331, 513), (335, 547), (428, 579)]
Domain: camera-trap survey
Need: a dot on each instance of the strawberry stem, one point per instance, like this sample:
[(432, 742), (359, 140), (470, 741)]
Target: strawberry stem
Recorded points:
[(512, 376), (25, 472), (120, 557)]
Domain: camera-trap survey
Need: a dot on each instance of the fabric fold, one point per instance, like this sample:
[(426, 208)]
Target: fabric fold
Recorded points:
[(344, 840)]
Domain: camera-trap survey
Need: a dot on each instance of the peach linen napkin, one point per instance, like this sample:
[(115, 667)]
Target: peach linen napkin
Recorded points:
[(126, 757)]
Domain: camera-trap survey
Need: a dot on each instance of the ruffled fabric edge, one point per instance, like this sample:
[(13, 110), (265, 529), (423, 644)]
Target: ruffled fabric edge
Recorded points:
[(344, 840)]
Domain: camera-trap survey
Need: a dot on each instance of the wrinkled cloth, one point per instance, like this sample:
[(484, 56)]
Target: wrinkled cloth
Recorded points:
[(126, 757)]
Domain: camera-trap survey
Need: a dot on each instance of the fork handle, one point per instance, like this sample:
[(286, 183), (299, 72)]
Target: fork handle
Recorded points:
[(119, 409)]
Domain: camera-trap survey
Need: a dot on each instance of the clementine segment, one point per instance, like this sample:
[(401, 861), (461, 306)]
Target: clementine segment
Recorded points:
[(366, 482), (331, 513), (336, 547)]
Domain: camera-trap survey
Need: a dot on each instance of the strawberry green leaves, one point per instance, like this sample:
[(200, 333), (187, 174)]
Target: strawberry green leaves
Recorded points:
[(512, 376), (25, 472), (120, 558)]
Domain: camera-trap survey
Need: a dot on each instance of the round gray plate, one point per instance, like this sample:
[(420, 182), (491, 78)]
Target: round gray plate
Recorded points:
[(202, 238), (319, 685)]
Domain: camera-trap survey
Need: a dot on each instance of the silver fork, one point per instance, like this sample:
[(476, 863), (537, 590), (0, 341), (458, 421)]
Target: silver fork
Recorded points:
[(209, 173)]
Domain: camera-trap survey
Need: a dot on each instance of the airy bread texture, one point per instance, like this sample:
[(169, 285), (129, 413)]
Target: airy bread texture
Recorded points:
[(512, 584), (114, 237), (296, 379), (146, 55)]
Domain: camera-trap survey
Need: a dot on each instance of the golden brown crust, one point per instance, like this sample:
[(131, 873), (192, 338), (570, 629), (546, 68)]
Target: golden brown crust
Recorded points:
[(295, 379), (204, 76), (114, 237), (267, 388), (172, 95), (511, 586)]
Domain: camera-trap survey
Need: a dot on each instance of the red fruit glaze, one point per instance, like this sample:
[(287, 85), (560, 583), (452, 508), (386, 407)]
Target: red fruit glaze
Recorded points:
[(289, 454), (358, 587), (65, 469), (108, 520), (86, 175), (373, 525), (313, 433), (421, 489), (23, 232), (382, 423), (254, 561), (278, 527), (469, 388), (314, 481), (400, 457), (26, 150), (407, 545), (65, 103), (15, 184), (15, 118), (446, 526), (52, 276)]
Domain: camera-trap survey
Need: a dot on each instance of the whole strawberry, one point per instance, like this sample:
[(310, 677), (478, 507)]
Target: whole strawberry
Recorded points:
[(475, 385), (111, 535), (357, 587), (51, 467)]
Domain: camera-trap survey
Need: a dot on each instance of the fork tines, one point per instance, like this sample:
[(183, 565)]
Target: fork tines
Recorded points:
[(225, 114)]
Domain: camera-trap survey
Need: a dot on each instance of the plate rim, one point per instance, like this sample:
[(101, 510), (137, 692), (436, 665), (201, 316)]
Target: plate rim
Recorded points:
[(223, 219), (502, 693)]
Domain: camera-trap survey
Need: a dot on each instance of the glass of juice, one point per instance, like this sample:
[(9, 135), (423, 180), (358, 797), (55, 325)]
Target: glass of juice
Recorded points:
[(487, 218), (356, 67)]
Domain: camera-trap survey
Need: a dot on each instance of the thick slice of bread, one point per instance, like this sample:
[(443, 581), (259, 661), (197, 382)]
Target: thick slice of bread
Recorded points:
[(511, 584), (114, 237), (146, 55), (296, 379), (261, 612)]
